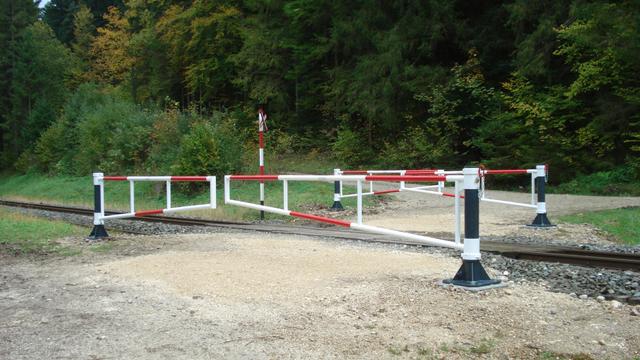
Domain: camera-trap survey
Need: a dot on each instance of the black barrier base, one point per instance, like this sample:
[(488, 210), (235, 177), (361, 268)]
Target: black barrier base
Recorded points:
[(98, 233), (541, 220), (471, 274), (337, 206)]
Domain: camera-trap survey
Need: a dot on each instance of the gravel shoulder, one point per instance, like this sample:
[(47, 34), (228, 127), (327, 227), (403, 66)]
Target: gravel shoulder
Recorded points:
[(260, 296)]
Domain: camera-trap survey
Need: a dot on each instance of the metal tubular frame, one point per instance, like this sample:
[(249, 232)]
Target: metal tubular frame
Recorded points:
[(99, 214), (358, 224)]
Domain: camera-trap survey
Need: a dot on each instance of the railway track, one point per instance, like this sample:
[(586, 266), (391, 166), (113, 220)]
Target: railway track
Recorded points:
[(558, 254)]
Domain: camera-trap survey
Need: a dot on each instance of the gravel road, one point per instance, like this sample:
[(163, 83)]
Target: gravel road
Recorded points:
[(261, 296)]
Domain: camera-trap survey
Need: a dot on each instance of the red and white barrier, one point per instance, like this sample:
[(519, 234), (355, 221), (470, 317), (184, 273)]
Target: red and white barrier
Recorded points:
[(358, 179), (99, 212), (538, 175), (338, 195)]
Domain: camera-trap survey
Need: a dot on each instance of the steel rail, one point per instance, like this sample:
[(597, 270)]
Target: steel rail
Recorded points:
[(558, 254)]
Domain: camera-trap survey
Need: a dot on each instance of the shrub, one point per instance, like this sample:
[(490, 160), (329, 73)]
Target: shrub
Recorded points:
[(350, 148), (209, 150)]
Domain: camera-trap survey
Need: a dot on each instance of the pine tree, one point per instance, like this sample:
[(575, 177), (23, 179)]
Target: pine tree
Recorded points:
[(15, 16)]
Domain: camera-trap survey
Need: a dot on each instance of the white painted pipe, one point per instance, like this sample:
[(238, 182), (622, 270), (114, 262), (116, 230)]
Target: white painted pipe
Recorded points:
[(168, 194), (509, 203), (259, 207), (285, 195), (186, 208), (359, 189), (417, 238), (457, 211), (132, 196)]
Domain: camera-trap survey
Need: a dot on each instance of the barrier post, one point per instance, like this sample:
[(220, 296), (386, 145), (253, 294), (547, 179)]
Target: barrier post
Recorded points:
[(337, 205), (541, 219), (262, 127), (471, 274), (98, 232)]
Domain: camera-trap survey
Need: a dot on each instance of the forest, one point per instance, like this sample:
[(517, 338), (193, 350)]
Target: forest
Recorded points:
[(169, 86)]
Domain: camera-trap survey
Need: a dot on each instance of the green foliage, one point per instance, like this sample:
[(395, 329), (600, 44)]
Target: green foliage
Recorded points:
[(619, 181), (209, 150), (350, 148), (38, 89), (423, 83)]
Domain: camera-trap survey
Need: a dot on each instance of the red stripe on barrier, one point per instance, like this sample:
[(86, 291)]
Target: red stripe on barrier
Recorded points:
[(147, 212), (261, 169), (385, 191), (420, 172), (115, 178), (189, 178), (511, 171), (261, 137), (321, 219), (354, 172), (452, 195), (254, 177), (405, 178)]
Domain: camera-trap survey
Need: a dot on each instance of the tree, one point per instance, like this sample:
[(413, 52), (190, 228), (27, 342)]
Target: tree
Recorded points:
[(83, 31), (38, 89), (15, 16), (111, 60), (59, 15)]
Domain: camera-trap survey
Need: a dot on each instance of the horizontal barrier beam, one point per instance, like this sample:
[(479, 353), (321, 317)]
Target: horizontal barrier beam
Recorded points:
[(158, 178), (509, 203), (386, 191), (426, 240), (405, 178), (508, 171), (157, 211), (421, 190)]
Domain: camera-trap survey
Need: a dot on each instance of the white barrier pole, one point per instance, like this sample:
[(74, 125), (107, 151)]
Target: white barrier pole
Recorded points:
[(285, 195), (457, 211), (168, 194), (132, 195), (359, 206)]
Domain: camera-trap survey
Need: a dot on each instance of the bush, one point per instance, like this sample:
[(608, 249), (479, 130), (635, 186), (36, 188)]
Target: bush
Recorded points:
[(351, 149), (619, 181), (209, 150), (414, 150)]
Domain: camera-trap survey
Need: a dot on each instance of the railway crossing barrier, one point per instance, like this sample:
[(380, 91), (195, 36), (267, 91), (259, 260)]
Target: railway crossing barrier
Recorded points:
[(471, 272), (99, 231), (538, 181)]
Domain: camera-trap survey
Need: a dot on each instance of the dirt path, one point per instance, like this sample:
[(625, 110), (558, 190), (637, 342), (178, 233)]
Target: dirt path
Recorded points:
[(263, 296)]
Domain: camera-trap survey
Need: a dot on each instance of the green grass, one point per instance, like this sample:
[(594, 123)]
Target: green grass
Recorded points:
[(22, 234), (623, 224), (65, 190)]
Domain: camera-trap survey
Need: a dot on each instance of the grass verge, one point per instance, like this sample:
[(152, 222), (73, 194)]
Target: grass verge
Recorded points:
[(22, 234), (623, 224)]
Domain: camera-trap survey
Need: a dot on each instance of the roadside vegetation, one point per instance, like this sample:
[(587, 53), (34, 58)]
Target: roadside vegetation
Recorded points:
[(24, 235), (623, 224)]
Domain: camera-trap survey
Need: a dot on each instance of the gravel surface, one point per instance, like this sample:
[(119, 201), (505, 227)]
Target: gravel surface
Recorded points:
[(265, 296)]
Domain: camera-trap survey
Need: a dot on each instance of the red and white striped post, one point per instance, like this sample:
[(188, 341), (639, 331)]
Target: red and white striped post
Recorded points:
[(262, 127)]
